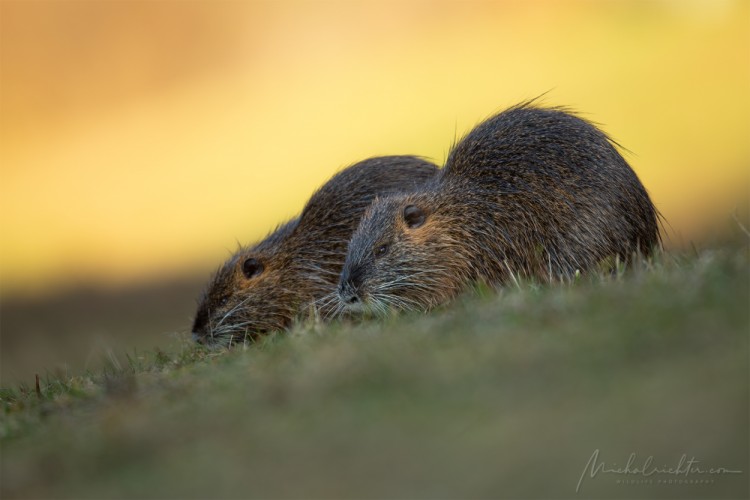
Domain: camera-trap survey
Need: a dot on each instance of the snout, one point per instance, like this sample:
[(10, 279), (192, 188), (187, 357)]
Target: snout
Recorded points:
[(203, 329), (200, 325), (348, 296), (199, 337), (349, 290)]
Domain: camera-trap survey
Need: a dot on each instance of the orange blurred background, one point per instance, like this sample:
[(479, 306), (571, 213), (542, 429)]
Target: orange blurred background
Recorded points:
[(139, 141), (142, 139)]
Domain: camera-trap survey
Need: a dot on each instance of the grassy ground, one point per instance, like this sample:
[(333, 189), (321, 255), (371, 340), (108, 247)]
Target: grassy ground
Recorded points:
[(498, 395)]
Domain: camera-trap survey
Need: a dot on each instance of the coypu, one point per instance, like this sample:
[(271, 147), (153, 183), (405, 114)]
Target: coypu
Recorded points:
[(264, 287), (532, 192)]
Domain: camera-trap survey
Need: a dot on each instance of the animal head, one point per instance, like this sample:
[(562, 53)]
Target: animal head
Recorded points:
[(403, 255), (249, 295)]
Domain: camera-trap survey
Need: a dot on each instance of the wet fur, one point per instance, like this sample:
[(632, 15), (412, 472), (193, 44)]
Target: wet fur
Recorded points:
[(530, 192)]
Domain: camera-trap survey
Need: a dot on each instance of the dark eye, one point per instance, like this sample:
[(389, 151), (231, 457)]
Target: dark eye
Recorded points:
[(381, 250), (414, 216), (251, 268)]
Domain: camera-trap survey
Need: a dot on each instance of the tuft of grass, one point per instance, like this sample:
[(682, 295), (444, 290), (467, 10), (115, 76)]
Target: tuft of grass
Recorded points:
[(497, 395)]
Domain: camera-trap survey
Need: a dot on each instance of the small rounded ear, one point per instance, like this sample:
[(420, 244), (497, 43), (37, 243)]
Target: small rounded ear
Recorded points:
[(414, 216), (251, 268)]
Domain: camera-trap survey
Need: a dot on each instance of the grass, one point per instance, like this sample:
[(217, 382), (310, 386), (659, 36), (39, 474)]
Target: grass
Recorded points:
[(497, 395)]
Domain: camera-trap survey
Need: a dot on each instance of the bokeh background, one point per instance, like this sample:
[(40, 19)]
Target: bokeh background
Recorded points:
[(140, 141)]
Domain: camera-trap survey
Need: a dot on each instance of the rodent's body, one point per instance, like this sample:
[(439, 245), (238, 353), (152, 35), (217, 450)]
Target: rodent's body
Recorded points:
[(530, 192), (264, 287)]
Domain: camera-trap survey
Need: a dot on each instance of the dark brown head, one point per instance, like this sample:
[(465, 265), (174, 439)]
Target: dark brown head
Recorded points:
[(249, 295), (404, 255)]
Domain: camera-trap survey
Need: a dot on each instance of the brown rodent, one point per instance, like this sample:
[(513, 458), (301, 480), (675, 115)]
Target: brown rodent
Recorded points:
[(264, 287), (531, 192)]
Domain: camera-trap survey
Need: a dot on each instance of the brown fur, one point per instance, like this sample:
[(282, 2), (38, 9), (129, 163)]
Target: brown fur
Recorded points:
[(301, 259), (530, 192)]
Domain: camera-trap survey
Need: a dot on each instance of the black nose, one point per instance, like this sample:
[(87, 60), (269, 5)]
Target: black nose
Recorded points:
[(347, 293), (201, 321), (351, 280), (349, 298), (200, 324)]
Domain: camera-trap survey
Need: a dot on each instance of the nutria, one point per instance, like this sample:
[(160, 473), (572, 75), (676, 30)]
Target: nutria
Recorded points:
[(530, 192), (264, 287)]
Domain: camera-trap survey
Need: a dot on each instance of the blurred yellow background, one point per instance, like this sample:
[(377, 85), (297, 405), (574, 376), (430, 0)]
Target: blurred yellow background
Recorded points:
[(141, 140)]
